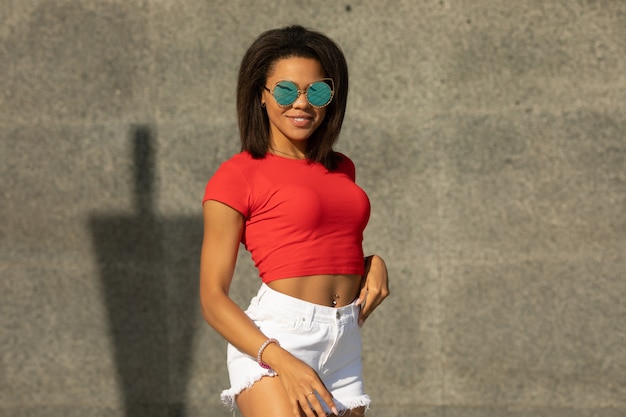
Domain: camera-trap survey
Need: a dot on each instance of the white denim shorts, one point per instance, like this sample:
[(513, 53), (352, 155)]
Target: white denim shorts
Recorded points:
[(327, 339)]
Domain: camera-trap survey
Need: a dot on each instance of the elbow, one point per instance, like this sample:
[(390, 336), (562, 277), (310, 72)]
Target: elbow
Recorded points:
[(209, 304)]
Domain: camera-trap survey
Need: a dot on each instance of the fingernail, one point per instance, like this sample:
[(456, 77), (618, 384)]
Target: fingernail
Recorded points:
[(335, 411)]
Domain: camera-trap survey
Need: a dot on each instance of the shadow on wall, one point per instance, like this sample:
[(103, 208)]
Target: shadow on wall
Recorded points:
[(149, 269)]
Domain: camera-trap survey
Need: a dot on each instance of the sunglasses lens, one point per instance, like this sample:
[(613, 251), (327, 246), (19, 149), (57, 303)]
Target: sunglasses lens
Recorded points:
[(319, 94), (285, 93)]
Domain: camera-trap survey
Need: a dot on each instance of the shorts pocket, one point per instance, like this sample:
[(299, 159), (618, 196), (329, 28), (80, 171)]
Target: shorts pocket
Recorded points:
[(282, 322)]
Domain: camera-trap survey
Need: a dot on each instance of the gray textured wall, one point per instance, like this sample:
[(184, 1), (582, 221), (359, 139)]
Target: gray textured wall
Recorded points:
[(489, 134)]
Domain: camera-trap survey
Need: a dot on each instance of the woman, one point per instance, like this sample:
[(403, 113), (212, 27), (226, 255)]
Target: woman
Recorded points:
[(293, 202)]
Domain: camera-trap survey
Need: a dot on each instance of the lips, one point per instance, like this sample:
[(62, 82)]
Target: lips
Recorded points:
[(301, 121)]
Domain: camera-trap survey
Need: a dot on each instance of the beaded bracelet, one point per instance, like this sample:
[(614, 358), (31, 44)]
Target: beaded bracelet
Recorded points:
[(261, 349)]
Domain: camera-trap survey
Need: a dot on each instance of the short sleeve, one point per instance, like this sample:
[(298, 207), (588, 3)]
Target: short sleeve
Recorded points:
[(229, 186)]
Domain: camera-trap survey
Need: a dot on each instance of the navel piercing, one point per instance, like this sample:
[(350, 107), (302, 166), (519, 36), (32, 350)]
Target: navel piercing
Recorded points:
[(335, 300)]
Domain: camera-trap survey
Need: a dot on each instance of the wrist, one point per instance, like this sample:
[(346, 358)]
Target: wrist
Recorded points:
[(262, 349), (276, 357)]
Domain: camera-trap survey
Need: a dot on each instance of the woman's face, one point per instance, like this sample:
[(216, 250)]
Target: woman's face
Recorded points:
[(296, 122)]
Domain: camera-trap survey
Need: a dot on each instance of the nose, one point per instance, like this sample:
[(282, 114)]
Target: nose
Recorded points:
[(301, 101)]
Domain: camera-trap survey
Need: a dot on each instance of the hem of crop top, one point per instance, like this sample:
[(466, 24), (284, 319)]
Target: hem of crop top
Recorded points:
[(303, 272)]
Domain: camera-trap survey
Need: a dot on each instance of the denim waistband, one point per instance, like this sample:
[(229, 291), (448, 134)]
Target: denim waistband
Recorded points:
[(278, 302)]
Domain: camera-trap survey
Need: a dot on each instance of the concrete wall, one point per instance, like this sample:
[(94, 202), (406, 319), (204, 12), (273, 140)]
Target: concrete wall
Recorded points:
[(489, 134)]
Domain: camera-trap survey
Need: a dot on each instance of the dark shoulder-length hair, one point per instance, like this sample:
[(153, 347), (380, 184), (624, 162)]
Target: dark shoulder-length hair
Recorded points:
[(265, 51)]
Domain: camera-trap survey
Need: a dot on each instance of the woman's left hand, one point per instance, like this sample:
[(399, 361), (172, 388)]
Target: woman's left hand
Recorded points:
[(374, 286)]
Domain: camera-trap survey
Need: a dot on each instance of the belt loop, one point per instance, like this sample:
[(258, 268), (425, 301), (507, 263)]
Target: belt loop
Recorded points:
[(309, 315), (355, 311), (262, 292)]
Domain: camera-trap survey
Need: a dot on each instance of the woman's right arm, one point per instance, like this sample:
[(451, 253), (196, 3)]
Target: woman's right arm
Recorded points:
[(223, 227)]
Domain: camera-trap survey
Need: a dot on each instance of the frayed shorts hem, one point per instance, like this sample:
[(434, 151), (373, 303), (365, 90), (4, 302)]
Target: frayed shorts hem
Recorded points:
[(350, 404), (229, 397)]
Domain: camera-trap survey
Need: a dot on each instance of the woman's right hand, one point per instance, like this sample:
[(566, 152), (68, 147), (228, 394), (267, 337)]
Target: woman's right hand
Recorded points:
[(301, 383)]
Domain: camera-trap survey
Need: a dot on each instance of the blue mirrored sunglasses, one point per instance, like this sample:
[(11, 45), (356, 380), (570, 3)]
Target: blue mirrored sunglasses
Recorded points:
[(319, 94)]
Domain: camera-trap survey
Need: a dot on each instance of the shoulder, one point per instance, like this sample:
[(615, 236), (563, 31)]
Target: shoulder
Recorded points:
[(241, 162), (230, 184), (343, 159), (243, 158), (233, 170), (345, 165)]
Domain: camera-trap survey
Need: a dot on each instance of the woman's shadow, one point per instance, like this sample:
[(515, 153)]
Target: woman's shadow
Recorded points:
[(149, 268)]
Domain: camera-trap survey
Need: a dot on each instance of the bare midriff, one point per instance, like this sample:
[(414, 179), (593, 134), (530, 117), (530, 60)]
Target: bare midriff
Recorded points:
[(321, 289)]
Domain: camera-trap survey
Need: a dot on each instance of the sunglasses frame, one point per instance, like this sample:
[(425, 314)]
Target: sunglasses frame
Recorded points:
[(305, 92)]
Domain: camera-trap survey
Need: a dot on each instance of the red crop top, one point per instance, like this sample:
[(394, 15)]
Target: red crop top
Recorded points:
[(300, 218)]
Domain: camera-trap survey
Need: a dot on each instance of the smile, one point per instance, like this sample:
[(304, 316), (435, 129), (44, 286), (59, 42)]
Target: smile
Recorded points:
[(301, 121)]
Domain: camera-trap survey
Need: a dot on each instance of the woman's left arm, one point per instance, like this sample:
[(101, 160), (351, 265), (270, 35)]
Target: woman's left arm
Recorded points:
[(374, 286)]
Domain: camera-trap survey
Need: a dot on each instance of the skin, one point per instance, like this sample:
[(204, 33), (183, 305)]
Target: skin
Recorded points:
[(286, 394)]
